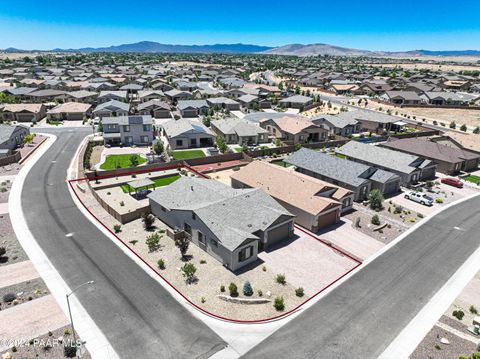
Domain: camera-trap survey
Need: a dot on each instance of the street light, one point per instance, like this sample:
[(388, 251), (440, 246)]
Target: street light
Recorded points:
[(69, 310)]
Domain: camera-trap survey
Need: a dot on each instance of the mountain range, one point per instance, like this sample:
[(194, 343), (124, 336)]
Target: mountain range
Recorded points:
[(291, 49)]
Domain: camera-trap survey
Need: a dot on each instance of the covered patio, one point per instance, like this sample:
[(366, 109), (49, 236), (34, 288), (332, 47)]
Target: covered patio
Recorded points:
[(141, 187)]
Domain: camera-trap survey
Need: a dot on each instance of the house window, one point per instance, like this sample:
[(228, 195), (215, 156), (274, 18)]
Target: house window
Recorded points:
[(144, 139), (213, 242), (129, 139), (194, 216), (193, 141), (179, 143), (202, 238), (163, 208), (146, 128), (126, 128), (187, 228), (245, 253)]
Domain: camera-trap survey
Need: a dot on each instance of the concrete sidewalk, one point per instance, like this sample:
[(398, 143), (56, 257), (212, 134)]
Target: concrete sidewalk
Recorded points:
[(17, 273), (30, 320)]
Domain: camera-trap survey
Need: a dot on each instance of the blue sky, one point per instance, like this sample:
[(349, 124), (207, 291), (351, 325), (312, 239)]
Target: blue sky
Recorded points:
[(373, 25)]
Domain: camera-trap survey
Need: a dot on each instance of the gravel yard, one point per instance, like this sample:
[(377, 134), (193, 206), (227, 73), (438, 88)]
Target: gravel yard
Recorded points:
[(24, 292), (211, 274), (15, 252), (5, 186)]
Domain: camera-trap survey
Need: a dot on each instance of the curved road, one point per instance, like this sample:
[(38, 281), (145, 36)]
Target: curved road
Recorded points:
[(136, 314), (360, 318)]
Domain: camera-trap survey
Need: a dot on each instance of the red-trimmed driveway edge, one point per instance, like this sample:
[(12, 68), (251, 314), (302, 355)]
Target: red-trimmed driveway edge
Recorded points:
[(283, 315)]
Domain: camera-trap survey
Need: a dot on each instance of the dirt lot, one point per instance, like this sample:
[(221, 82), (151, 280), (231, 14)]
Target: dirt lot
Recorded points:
[(439, 66)]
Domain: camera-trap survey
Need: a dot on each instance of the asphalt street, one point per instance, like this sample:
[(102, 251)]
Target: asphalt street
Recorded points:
[(360, 318), (136, 314)]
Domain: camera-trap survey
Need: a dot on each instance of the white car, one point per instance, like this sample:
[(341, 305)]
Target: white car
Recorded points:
[(420, 198)]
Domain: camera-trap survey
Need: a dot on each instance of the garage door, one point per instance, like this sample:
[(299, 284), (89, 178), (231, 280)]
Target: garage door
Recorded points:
[(277, 234), (75, 117), (390, 187), (25, 117), (327, 219)]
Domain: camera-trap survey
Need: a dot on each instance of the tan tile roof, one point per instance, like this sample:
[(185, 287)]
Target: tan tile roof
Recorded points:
[(467, 141), (291, 124), (20, 107), (295, 188), (70, 107)]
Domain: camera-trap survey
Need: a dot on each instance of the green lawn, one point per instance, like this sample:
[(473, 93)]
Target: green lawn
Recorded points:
[(473, 179), (237, 149), (120, 161), (159, 182), (186, 155)]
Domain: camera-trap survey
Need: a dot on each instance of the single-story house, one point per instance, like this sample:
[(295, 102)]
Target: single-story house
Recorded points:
[(402, 97), (22, 112), (371, 120), (294, 129), (223, 102), (106, 96), (356, 177), (449, 160), (69, 111), (314, 203), (338, 124), (12, 136), (148, 95), (460, 140), (47, 95), (445, 99), (111, 109), (239, 131), (155, 108), (185, 133), (177, 95), (128, 130), (296, 101), (248, 101), (193, 108), (81, 96), (232, 225), (410, 168)]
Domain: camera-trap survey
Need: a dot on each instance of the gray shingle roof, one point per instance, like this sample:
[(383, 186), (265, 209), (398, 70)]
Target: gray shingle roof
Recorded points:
[(174, 128), (128, 120), (112, 104)]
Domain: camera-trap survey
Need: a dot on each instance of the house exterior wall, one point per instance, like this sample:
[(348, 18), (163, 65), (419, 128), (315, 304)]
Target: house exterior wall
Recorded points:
[(16, 139), (136, 134)]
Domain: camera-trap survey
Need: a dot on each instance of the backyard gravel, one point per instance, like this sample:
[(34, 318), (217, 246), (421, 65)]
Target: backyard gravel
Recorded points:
[(15, 252), (24, 291)]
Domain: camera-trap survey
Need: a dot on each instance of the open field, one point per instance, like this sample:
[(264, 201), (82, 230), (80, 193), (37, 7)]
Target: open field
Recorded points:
[(438, 66)]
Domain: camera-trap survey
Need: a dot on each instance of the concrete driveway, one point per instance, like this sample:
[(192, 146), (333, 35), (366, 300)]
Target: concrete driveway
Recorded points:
[(306, 262)]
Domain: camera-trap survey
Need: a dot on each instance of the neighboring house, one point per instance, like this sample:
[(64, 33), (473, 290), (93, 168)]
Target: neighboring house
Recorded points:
[(177, 95), (239, 131), (155, 108), (356, 177), (111, 109), (446, 99), (314, 203), (343, 89), (402, 97), (106, 96), (69, 111), (297, 129), (22, 112), (464, 141), (148, 95), (449, 160), (296, 101), (372, 120), (47, 95), (128, 130), (81, 96), (12, 137), (185, 133), (232, 225), (223, 102), (338, 125), (248, 101), (410, 168), (193, 108)]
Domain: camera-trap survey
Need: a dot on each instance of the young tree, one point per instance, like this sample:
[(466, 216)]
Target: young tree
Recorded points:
[(158, 148), (148, 219), (247, 289), (134, 160), (182, 244), (221, 144), (376, 199), (463, 128), (28, 139), (153, 242)]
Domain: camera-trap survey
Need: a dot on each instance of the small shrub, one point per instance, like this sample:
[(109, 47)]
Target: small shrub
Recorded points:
[(153, 242), (203, 261), (279, 303), (133, 242), (9, 297), (183, 244), (438, 347), (299, 292), (14, 349), (473, 310), (375, 220), (247, 289), (232, 288), (280, 278), (459, 314), (439, 200), (398, 209), (161, 263), (3, 251), (3, 189), (264, 268), (50, 334), (222, 288), (66, 332), (357, 222), (376, 199), (203, 300), (122, 203), (70, 351), (109, 193), (117, 228), (260, 293), (188, 271)]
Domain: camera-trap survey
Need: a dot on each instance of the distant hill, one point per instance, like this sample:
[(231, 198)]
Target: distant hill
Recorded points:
[(291, 49), (325, 49), (155, 47)]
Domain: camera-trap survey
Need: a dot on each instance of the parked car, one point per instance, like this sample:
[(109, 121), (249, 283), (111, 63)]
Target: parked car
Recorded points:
[(420, 198), (452, 182)]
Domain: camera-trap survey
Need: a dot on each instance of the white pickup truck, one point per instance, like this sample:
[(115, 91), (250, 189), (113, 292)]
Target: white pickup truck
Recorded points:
[(420, 198)]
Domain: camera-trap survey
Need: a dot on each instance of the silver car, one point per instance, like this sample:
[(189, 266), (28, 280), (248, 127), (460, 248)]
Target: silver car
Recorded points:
[(420, 198)]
